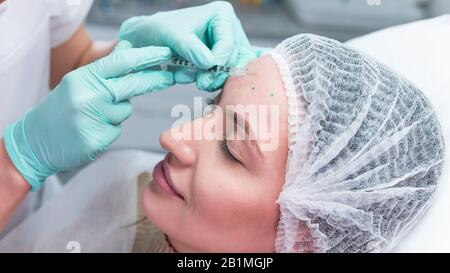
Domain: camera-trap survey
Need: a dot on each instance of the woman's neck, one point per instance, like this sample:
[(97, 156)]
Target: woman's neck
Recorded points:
[(170, 243), (181, 247)]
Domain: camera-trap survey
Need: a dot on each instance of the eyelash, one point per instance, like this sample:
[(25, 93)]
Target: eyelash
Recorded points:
[(227, 153)]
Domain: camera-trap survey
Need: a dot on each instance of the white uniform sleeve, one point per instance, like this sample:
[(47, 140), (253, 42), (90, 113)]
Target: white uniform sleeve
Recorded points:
[(66, 16)]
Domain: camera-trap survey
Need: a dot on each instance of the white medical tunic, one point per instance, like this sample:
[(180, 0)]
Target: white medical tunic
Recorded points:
[(28, 31)]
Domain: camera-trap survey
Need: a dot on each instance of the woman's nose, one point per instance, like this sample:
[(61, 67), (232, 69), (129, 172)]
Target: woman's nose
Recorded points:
[(181, 147)]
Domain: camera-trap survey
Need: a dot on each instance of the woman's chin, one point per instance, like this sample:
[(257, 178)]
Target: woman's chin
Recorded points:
[(159, 209), (150, 201)]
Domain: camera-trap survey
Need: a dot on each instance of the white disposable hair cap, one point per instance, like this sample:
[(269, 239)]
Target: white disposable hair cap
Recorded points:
[(365, 150)]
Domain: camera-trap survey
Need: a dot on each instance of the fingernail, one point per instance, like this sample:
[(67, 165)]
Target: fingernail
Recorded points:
[(220, 80), (205, 80), (185, 76), (217, 83), (165, 53), (169, 79)]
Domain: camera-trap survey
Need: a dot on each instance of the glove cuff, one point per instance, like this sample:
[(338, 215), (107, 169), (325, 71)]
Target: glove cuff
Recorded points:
[(23, 157)]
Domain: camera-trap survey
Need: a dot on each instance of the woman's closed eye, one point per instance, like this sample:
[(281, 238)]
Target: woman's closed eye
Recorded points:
[(226, 151)]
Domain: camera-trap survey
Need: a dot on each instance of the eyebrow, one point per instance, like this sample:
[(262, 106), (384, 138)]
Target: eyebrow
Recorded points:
[(216, 100)]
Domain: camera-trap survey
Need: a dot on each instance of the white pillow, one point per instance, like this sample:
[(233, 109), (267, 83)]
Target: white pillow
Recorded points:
[(420, 51)]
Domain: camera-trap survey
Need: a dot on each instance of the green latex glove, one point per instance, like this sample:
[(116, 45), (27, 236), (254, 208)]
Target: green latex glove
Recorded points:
[(207, 35), (82, 116)]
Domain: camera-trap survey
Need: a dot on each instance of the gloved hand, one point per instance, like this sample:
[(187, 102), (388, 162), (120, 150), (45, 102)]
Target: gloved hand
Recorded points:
[(82, 116), (206, 35)]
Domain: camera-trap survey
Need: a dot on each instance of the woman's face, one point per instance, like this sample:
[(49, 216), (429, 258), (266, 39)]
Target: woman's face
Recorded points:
[(227, 188)]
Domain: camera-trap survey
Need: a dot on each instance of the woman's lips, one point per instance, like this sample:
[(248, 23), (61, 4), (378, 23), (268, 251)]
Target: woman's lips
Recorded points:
[(161, 175)]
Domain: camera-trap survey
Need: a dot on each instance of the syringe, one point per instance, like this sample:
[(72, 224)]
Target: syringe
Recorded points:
[(180, 62)]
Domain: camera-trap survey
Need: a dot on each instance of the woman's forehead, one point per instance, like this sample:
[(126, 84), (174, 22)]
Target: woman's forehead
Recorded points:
[(264, 102), (263, 85)]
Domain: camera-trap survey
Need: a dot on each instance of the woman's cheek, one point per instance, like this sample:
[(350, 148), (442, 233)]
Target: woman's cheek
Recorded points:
[(228, 202), (214, 202)]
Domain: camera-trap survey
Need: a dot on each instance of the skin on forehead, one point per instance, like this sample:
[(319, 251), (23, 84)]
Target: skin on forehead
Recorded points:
[(263, 85)]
